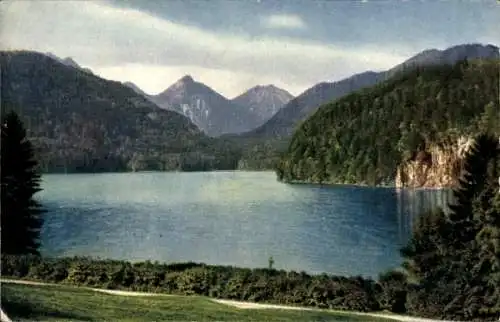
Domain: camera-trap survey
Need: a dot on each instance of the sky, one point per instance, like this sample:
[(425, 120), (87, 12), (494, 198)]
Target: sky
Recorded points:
[(233, 45)]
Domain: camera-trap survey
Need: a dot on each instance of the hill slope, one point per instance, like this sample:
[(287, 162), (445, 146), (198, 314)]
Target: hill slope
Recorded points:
[(286, 120), (80, 122), (365, 136)]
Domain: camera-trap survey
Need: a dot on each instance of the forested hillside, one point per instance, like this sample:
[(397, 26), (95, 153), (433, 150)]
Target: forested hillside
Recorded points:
[(284, 123), (79, 122), (364, 136)]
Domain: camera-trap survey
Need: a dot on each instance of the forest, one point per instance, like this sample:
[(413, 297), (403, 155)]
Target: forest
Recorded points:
[(363, 137)]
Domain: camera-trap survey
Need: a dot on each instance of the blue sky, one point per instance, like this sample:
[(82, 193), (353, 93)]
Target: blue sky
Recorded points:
[(232, 45)]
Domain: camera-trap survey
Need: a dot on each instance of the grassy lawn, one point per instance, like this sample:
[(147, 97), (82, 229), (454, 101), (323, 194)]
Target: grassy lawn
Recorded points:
[(62, 303)]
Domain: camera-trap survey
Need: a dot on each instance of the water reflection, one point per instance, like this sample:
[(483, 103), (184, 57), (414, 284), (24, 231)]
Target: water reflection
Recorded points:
[(413, 202)]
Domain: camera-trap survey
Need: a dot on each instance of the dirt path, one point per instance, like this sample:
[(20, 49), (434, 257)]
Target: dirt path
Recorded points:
[(115, 292), (250, 305), (237, 304)]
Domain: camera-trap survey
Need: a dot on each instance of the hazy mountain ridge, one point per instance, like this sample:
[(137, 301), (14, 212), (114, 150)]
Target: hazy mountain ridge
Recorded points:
[(284, 122)]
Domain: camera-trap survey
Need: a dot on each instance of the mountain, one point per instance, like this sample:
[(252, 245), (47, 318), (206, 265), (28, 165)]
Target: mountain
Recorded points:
[(263, 101), (283, 123), (68, 61), (136, 89), (448, 56), (211, 112), (81, 122), (410, 128)]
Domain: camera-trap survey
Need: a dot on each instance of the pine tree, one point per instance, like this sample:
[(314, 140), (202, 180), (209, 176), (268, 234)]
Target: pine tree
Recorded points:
[(21, 218), (454, 257), (486, 287)]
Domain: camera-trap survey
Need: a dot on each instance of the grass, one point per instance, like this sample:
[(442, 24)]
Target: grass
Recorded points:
[(64, 303)]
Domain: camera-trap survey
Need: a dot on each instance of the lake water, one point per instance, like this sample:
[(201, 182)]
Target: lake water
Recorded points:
[(230, 218)]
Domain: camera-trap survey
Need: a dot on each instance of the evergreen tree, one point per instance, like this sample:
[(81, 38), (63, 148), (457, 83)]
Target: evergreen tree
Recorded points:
[(486, 287), (453, 257), (21, 218)]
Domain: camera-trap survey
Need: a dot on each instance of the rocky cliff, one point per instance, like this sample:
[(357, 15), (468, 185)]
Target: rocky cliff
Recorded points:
[(439, 166)]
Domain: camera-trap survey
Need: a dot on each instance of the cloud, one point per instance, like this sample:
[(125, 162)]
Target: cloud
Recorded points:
[(127, 44), (283, 21)]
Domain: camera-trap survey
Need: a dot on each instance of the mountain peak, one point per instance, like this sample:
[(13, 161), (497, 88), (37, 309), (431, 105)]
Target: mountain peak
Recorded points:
[(186, 79), (68, 61), (135, 88), (265, 87), (263, 100)]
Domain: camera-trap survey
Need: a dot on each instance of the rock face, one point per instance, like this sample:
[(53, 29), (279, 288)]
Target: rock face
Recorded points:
[(438, 167)]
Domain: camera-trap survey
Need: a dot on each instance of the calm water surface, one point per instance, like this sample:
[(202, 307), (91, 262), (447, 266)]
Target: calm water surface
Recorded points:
[(229, 218)]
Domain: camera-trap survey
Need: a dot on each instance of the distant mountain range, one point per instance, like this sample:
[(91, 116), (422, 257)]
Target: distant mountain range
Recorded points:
[(283, 123), (210, 111), (80, 122), (217, 115), (71, 110)]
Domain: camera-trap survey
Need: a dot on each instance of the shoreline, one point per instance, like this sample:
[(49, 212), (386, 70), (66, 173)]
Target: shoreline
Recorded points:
[(294, 182), (362, 185)]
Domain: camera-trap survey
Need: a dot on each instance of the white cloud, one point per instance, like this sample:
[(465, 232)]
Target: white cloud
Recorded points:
[(127, 44), (283, 21)]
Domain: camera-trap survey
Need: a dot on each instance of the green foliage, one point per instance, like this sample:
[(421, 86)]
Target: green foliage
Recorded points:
[(259, 285), (21, 213), (453, 257), (393, 289), (363, 137)]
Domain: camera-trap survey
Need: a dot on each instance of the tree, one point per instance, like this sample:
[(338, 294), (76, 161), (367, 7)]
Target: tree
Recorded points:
[(454, 256), (21, 213)]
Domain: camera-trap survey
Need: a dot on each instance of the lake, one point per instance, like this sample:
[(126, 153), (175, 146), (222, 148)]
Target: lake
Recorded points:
[(230, 218)]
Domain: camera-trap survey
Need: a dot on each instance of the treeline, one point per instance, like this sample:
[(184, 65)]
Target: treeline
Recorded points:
[(364, 136), (259, 154), (214, 155)]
